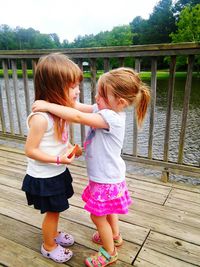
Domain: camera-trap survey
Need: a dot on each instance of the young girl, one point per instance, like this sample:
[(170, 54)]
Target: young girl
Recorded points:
[(106, 194), (48, 183)]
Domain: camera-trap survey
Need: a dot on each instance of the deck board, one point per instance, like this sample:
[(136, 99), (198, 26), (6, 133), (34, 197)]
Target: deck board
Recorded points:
[(162, 228)]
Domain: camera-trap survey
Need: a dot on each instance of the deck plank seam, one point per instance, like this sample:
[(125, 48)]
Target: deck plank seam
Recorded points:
[(167, 197), (141, 246)]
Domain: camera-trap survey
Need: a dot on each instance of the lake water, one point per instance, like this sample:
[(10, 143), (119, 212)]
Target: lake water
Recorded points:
[(192, 142)]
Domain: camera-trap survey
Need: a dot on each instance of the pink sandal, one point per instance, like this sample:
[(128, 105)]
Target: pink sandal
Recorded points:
[(117, 240), (59, 254), (101, 258), (64, 239)]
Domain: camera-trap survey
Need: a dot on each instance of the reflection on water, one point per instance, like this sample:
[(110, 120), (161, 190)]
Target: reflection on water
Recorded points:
[(192, 143)]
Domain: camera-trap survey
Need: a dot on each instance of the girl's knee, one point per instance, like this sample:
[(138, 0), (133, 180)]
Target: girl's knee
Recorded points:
[(97, 219)]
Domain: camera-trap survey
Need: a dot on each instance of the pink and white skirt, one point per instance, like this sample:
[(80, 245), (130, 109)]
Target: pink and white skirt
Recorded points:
[(104, 199)]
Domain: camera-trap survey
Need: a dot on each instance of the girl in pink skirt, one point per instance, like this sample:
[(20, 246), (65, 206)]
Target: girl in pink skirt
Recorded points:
[(106, 195)]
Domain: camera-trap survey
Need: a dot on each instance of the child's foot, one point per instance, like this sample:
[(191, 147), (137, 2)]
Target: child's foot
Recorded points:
[(101, 258), (59, 254), (64, 239), (117, 240)]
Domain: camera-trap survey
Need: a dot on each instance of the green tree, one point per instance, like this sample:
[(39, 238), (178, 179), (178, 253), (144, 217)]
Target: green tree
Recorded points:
[(188, 25), (188, 30), (181, 4), (7, 38), (119, 36), (138, 27), (157, 28)]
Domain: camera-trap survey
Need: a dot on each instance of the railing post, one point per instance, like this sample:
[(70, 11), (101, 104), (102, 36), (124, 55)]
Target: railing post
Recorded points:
[(153, 104), (8, 96), (2, 115), (106, 64), (81, 87), (93, 71), (26, 89), (188, 85), (135, 128), (16, 95), (165, 175), (169, 106)]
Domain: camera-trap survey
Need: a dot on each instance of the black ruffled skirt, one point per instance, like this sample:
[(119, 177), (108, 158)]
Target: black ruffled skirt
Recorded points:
[(49, 194)]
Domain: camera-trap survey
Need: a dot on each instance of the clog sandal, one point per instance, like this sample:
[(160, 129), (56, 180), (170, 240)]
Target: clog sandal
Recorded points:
[(59, 254), (117, 240), (64, 239), (101, 259)]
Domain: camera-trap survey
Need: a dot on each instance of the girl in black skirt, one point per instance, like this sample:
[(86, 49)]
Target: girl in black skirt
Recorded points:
[(48, 183)]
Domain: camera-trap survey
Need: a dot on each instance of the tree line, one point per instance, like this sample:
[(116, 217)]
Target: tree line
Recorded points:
[(170, 22)]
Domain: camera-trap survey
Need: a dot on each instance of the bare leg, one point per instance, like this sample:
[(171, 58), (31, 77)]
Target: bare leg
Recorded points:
[(105, 232), (113, 221), (49, 230)]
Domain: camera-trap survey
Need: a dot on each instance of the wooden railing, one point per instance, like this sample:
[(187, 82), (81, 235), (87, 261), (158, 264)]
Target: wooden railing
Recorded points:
[(11, 59)]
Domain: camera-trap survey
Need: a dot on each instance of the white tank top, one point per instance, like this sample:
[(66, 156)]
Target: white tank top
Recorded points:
[(50, 146)]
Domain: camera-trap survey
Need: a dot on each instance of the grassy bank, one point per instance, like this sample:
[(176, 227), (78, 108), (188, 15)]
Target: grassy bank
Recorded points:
[(145, 75)]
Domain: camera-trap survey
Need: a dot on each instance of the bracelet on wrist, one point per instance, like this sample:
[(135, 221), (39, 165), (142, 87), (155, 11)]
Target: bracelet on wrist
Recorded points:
[(58, 160)]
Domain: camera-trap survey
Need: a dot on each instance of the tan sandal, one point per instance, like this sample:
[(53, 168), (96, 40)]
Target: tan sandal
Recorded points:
[(117, 240), (101, 258)]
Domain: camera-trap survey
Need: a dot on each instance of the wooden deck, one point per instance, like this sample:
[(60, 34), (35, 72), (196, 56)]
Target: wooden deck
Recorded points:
[(162, 228)]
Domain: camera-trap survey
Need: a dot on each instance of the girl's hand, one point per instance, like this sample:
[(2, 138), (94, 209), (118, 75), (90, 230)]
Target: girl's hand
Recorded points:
[(65, 160), (40, 105)]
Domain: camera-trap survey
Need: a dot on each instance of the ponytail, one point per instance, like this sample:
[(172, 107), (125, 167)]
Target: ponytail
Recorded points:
[(142, 104)]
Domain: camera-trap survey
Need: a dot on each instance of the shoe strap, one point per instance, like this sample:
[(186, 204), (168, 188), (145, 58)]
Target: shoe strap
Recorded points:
[(104, 253)]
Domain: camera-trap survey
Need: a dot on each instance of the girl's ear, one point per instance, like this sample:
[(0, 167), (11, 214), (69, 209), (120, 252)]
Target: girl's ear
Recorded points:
[(122, 102)]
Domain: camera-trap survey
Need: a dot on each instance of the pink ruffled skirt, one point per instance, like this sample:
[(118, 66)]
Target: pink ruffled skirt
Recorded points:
[(104, 199)]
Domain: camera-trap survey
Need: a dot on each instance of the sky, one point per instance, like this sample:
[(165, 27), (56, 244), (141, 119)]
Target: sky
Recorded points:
[(72, 18)]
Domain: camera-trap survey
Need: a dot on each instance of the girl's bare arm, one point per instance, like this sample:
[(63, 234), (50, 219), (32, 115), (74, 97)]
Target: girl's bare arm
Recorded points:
[(38, 125), (84, 107), (71, 115)]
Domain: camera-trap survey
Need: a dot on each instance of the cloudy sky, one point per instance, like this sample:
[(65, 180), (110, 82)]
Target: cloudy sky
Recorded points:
[(70, 18)]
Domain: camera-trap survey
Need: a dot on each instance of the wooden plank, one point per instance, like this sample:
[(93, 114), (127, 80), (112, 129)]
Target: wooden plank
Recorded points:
[(153, 105), (77, 164), (13, 254), (93, 71), (149, 258), (134, 193), (9, 187), (137, 234), (165, 226), (8, 96), (173, 247), (31, 216), (164, 212), (15, 231), (185, 195), (2, 114), (183, 205), (16, 95), (141, 190), (171, 83), (114, 51), (81, 96), (188, 86), (167, 213), (26, 88)]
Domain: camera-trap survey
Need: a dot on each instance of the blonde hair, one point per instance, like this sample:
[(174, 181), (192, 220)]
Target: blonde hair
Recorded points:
[(55, 74), (125, 83)]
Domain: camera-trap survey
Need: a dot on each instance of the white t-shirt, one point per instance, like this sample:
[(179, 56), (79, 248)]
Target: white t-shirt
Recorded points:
[(103, 150), (50, 146)]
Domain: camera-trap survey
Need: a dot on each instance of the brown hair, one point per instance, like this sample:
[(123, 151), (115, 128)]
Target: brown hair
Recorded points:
[(125, 83), (55, 74)]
